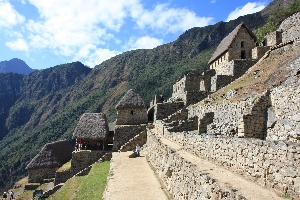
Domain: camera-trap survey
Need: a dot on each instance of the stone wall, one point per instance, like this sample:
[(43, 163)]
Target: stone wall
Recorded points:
[(259, 52), (228, 116), (283, 115), (163, 110), (62, 177), (195, 97), (181, 178), (275, 165), (124, 133), (139, 139), (290, 27), (223, 59), (38, 175), (132, 116), (273, 38), (82, 159), (190, 82), (31, 186), (181, 114), (219, 81)]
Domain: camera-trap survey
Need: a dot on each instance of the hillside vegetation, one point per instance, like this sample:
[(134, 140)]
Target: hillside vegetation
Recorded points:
[(275, 19), (46, 105)]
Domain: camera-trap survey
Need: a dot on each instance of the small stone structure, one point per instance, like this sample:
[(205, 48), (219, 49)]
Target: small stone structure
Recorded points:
[(91, 129), (131, 110), (48, 160), (188, 89), (131, 119)]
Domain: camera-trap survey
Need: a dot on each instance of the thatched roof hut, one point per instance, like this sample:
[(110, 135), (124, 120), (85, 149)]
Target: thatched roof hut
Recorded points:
[(131, 100), (52, 155), (227, 41), (91, 126)]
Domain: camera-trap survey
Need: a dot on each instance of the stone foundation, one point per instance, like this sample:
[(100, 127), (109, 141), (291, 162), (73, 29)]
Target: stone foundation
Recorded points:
[(163, 110), (38, 175), (62, 177), (82, 159), (124, 133)]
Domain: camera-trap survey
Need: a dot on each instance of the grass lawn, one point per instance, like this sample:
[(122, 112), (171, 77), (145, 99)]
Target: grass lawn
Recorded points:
[(89, 187)]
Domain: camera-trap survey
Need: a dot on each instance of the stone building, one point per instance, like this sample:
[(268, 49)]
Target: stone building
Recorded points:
[(233, 57), (91, 129), (48, 160), (237, 45), (132, 109), (188, 88), (131, 118)]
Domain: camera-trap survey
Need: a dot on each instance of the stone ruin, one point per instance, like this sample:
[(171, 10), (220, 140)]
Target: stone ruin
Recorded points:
[(258, 137)]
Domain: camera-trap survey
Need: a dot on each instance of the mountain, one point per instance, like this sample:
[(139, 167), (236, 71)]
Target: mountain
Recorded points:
[(45, 106), (15, 65)]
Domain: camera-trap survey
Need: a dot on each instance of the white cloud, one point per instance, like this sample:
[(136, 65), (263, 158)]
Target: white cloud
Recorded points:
[(144, 42), (213, 1), (170, 20), (18, 45), (82, 29), (98, 56), (249, 8), (8, 15), (67, 27)]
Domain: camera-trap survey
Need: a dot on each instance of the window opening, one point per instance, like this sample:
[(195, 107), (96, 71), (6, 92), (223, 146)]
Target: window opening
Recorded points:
[(243, 55)]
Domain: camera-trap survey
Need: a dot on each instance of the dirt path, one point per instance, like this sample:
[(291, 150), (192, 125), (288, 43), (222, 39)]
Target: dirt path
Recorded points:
[(132, 178), (246, 188)]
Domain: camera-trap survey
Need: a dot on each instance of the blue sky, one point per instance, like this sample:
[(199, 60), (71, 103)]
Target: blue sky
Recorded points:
[(45, 33)]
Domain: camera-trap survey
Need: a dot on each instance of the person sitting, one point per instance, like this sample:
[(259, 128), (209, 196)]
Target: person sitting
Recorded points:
[(137, 150)]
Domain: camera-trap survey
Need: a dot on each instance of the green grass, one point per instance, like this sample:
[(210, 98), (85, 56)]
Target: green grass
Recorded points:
[(89, 187), (285, 195), (65, 167)]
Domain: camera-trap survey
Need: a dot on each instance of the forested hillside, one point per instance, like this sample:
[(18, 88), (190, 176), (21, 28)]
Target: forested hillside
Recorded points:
[(46, 105)]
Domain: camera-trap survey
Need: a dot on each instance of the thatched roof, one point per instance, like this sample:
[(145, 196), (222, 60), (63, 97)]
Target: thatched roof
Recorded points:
[(226, 42), (91, 126), (131, 100), (52, 155)]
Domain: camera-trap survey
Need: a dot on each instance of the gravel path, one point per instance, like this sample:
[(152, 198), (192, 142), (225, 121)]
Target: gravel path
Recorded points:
[(132, 178)]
